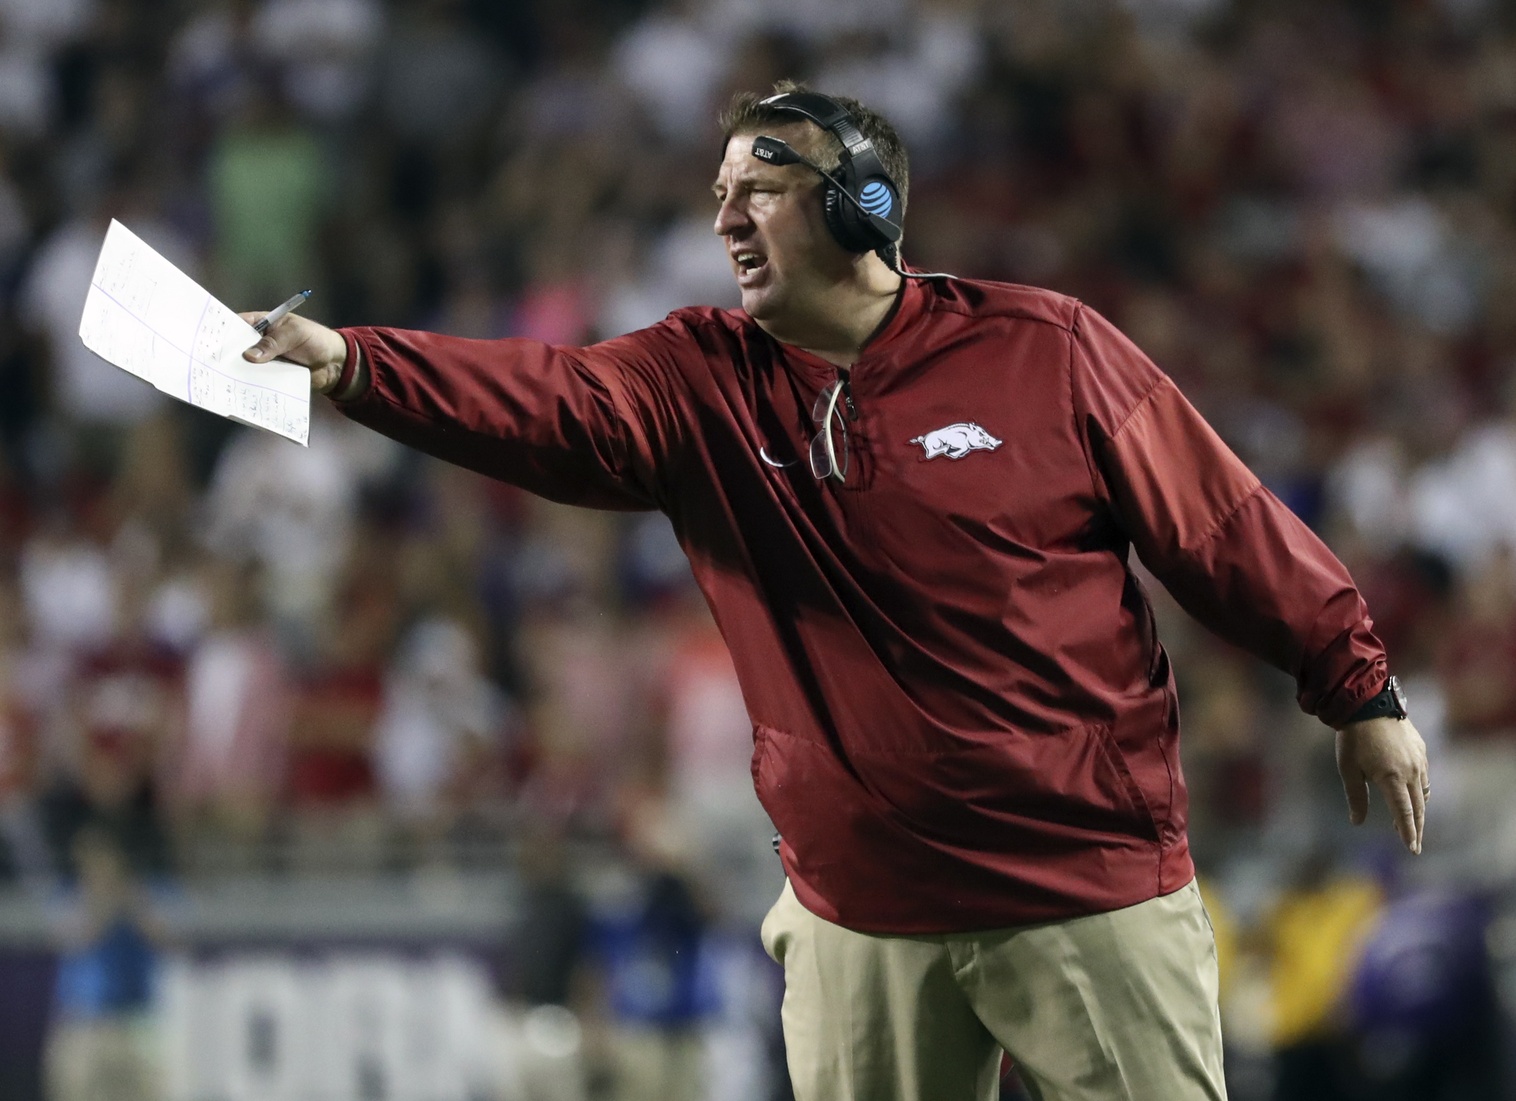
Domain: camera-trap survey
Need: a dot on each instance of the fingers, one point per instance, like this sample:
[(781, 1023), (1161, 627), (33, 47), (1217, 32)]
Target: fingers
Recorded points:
[(283, 337), (1358, 802), (1397, 796), (299, 340), (1354, 782), (1419, 809), (1390, 753), (1422, 785), (1356, 785), (1418, 787)]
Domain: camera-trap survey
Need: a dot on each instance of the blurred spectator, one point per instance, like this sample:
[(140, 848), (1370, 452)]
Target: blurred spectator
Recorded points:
[(23, 848), (152, 497), (583, 705), (704, 766), (677, 268), (45, 24), (26, 100), (1479, 653), (1457, 511), (545, 984), (647, 940), (914, 73), (1225, 754), (324, 48), (292, 510), (100, 1044), (214, 58), (1478, 762), (673, 60), (269, 188), (548, 946), (1422, 1002), (123, 704), (1316, 934), (227, 768), (15, 223), (331, 779), (94, 398), (439, 736), (438, 80), (71, 596)]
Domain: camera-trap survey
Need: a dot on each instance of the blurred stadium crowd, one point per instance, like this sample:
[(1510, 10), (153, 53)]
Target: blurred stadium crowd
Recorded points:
[(223, 655)]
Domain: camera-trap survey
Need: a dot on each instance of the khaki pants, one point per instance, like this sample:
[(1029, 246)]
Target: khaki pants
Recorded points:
[(103, 1060), (1111, 1007), (658, 1064)]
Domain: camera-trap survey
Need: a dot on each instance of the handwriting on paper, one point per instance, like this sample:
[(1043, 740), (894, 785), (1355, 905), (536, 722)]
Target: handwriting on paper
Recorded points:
[(146, 316)]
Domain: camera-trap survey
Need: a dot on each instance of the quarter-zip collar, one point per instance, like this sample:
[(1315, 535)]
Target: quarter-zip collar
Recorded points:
[(911, 303)]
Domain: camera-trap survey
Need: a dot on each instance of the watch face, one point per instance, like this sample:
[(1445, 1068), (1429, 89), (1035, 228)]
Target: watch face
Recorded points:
[(1397, 694)]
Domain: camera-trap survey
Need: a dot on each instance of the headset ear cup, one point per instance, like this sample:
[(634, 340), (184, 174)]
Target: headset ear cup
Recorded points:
[(837, 211), (850, 226)]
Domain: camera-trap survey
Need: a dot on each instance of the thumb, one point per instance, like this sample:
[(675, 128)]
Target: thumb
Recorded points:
[(260, 351)]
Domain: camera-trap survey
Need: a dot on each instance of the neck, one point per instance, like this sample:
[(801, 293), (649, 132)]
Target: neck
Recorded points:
[(847, 317)]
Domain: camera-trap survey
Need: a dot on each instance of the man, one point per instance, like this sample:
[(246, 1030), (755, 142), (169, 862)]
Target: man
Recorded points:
[(909, 502)]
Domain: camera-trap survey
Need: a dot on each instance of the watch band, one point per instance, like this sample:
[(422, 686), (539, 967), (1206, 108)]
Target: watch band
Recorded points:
[(1388, 702)]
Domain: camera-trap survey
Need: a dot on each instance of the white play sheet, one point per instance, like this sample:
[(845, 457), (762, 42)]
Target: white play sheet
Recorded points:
[(146, 316)]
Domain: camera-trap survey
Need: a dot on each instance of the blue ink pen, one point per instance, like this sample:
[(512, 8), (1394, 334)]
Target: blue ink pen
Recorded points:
[(278, 312)]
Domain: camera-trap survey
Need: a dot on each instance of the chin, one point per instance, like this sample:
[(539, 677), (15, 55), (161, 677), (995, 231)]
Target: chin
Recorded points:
[(760, 303)]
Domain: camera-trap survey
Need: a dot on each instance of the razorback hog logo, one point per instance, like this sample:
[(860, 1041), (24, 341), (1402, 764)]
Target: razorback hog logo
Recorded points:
[(956, 440)]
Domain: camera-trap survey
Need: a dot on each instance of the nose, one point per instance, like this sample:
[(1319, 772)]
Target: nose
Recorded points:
[(729, 217)]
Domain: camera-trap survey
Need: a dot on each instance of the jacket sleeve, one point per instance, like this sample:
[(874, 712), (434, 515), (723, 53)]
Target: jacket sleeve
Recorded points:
[(595, 426), (1229, 551)]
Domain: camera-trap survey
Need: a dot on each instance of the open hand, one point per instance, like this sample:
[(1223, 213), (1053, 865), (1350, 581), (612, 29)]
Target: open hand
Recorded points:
[(1389, 753)]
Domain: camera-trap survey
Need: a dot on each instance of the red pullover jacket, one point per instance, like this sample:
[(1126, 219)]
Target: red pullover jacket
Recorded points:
[(962, 716)]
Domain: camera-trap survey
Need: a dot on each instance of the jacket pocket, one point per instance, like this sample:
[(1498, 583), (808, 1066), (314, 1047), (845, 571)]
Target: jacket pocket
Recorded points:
[(1016, 792), (1118, 765)]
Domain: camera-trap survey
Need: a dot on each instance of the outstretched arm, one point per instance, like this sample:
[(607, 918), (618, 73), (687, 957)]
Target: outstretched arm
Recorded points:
[(593, 426)]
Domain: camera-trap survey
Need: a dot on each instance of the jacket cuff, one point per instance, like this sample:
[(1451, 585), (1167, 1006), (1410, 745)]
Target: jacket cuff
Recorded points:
[(352, 383), (1343, 705)]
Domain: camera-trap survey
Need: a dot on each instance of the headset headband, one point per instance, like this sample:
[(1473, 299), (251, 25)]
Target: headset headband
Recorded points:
[(831, 116), (826, 113)]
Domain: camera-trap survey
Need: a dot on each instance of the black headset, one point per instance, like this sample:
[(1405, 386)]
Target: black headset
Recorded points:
[(862, 202)]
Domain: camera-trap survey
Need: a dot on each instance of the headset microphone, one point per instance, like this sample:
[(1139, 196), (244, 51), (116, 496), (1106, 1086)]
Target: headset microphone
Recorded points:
[(781, 152), (777, 152)]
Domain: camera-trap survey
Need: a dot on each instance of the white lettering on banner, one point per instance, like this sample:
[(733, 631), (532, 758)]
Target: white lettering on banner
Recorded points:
[(345, 1027)]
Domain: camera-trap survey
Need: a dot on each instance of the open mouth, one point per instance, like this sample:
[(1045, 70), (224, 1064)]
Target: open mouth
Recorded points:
[(749, 264)]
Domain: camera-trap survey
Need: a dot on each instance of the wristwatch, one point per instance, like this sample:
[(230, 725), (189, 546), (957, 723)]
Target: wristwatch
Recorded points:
[(1388, 703)]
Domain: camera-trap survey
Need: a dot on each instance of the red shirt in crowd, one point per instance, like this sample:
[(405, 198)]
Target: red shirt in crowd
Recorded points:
[(963, 717)]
